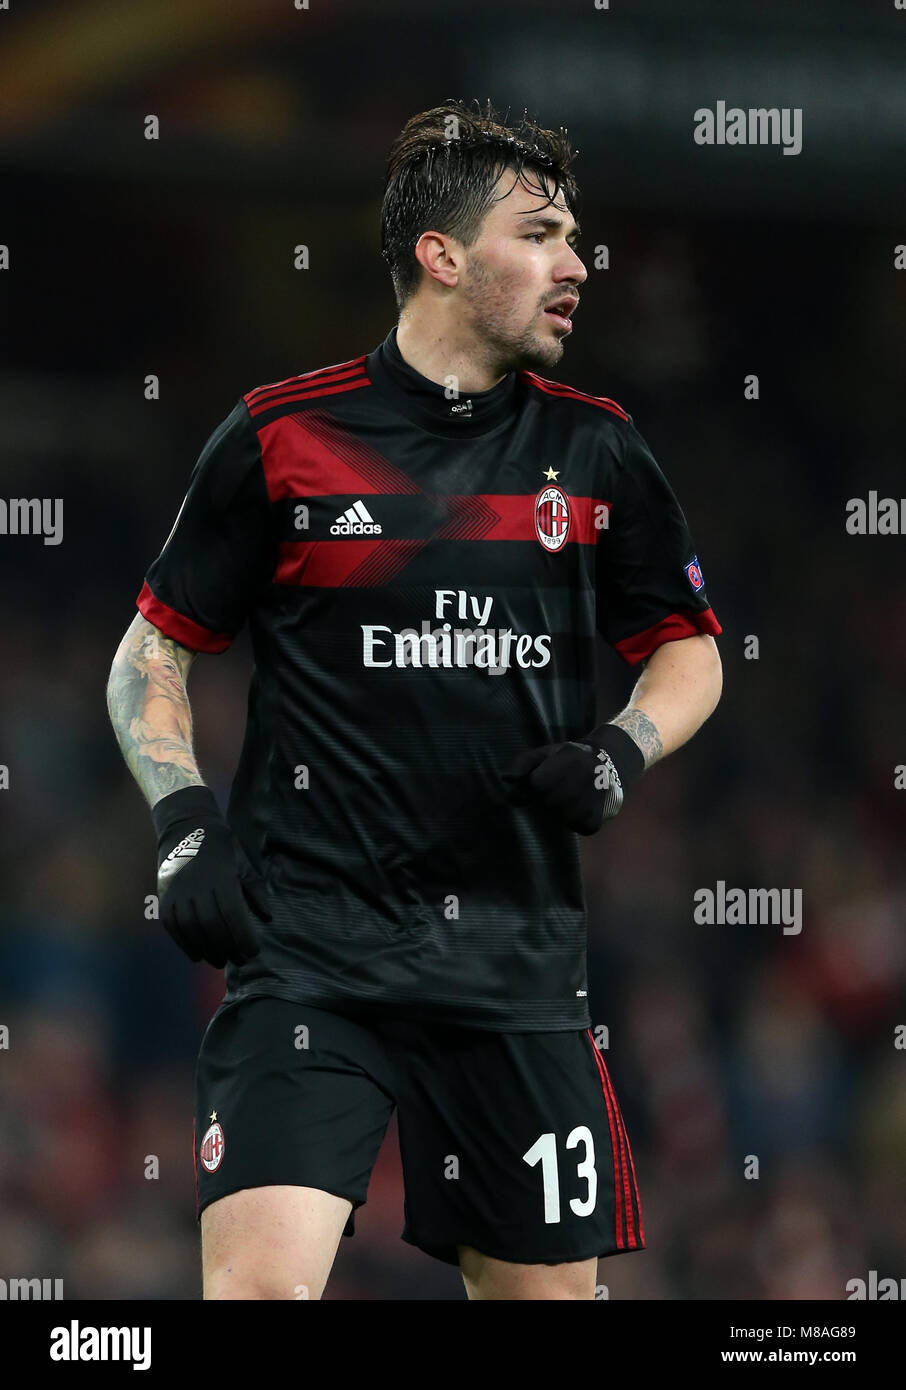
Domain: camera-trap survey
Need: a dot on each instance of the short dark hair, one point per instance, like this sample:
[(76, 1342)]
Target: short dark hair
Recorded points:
[(442, 170)]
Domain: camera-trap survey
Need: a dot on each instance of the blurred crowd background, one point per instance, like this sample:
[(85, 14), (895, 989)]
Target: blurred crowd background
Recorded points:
[(174, 257)]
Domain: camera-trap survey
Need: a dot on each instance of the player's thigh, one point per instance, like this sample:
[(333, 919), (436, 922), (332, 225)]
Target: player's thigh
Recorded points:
[(271, 1242), (285, 1140), (487, 1278)]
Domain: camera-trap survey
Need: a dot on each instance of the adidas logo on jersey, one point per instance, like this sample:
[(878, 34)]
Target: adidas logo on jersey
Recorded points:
[(356, 521)]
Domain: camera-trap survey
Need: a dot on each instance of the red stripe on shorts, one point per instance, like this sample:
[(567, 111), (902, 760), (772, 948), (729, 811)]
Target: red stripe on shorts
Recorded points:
[(618, 1203)]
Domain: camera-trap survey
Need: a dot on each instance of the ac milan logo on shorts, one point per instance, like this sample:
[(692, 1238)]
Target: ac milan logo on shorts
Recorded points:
[(693, 573), (551, 518), (212, 1146)]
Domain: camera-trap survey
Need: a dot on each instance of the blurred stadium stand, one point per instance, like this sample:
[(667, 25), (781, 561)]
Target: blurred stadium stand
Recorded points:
[(174, 257)]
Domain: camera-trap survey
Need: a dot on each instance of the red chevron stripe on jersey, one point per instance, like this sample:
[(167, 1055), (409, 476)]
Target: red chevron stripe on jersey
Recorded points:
[(345, 376), (558, 388), (515, 518), (471, 518), (370, 562), (343, 564), (307, 454)]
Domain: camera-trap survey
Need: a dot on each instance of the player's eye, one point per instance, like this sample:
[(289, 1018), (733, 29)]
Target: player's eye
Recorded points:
[(531, 236)]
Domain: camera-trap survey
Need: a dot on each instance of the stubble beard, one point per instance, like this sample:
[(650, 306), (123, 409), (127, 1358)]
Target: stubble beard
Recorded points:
[(505, 348)]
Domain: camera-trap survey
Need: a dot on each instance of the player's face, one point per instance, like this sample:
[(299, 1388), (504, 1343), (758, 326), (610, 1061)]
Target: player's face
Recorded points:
[(522, 276)]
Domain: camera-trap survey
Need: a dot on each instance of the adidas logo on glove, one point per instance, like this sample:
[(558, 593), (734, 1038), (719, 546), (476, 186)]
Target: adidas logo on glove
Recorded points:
[(175, 860), (356, 521)]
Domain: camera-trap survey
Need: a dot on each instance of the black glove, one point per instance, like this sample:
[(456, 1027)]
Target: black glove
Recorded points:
[(584, 783), (203, 886)]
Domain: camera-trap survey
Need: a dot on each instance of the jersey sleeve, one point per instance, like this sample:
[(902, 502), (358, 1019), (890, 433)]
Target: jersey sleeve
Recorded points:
[(221, 550), (649, 585)]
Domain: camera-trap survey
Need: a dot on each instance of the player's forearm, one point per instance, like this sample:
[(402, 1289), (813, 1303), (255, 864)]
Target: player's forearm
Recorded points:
[(677, 691), (149, 710)]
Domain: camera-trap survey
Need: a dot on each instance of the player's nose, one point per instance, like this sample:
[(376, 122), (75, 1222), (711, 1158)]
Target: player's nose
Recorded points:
[(577, 271), (570, 275)]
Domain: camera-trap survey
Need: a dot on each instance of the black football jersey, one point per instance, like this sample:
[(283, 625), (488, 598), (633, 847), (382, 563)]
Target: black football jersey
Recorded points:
[(424, 573)]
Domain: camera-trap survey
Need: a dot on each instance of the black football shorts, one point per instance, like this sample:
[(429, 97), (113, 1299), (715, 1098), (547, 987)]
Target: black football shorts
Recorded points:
[(512, 1143)]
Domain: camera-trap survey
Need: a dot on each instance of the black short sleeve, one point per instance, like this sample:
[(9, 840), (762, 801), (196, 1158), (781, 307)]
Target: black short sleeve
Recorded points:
[(221, 550), (649, 583)]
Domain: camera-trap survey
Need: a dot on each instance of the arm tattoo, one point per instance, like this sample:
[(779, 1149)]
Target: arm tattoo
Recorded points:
[(149, 710), (641, 728)]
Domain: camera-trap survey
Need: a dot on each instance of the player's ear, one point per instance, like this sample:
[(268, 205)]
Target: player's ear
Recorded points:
[(437, 254)]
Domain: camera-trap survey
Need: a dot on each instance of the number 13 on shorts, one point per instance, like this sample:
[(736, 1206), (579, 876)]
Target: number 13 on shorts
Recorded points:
[(544, 1151)]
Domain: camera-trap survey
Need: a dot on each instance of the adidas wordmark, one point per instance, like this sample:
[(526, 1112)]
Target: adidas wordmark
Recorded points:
[(356, 521)]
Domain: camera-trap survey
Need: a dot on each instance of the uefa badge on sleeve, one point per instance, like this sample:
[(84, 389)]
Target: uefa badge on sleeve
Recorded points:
[(212, 1146), (552, 517), (693, 573)]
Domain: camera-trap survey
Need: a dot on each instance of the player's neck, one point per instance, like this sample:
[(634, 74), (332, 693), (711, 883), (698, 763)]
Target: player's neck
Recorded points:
[(438, 353)]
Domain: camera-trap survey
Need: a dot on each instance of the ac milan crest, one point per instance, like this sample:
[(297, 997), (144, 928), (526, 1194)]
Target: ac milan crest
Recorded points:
[(212, 1146), (551, 517)]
